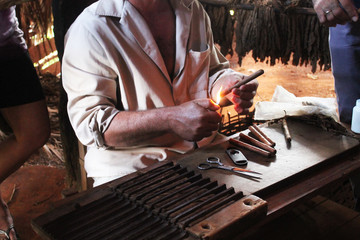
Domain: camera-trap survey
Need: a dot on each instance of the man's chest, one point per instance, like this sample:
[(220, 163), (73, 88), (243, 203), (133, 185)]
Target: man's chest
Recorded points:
[(163, 29)]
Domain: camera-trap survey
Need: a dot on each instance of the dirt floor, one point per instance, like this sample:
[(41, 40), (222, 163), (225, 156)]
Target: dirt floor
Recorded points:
[(298, 80), (34, 188)]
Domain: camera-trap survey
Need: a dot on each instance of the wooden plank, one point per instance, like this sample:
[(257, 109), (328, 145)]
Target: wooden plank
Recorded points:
[(328, 217), (350, 230), (251, 7), (311, 185), (325, 220), (231, 220)]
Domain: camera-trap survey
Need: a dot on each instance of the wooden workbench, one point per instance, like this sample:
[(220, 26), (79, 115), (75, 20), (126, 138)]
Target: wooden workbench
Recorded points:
[(314, 160)]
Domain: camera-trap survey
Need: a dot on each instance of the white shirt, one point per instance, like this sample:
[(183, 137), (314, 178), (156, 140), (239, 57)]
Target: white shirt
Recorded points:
[(109, 42)]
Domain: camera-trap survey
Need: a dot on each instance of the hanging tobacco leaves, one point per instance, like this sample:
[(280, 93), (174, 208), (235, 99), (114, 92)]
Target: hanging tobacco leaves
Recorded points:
[(35, 18), (275, 31)]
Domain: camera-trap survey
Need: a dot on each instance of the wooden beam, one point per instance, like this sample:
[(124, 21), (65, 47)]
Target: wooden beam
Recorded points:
[(296, 10)]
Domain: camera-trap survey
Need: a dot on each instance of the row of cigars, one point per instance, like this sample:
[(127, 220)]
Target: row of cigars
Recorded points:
[(260, 142)]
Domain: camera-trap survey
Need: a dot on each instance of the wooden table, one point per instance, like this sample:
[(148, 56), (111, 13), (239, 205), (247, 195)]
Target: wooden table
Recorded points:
[(314, 160)]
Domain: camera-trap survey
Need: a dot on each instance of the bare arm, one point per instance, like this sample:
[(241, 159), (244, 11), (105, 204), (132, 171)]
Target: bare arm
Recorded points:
[(191, 121), (333, 12)]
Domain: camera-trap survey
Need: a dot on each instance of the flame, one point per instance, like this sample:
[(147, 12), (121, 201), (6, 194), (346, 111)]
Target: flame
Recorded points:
[(218, 96)]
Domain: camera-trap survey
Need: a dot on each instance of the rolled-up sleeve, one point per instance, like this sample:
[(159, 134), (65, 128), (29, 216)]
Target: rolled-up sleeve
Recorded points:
[(90, 84)]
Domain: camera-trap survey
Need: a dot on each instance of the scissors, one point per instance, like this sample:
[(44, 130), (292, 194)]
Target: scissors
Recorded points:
[(214, 162)]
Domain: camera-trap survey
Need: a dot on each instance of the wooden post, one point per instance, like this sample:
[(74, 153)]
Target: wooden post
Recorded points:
[(65, 12)]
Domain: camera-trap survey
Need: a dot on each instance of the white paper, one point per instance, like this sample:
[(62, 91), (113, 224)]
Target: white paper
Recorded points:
[(285, 103)]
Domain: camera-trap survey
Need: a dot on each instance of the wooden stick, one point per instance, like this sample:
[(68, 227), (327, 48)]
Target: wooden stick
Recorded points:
[(252, 148), (242, 82), (257, 143), (286, 130), (272, 143), (228, 3)]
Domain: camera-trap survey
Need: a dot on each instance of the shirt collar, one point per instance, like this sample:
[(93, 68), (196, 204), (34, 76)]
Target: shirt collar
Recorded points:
[(114, 8), (187, 3)]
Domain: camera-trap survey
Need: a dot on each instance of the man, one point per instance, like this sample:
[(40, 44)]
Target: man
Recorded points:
[(22, 108), (140, 76), (342, 18)]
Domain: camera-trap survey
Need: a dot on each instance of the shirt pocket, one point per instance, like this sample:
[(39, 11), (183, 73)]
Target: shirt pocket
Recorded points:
[(197, 72)]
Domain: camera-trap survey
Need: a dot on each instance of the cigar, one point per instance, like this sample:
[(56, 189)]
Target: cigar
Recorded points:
[(252, 148), (267, 139), (286, 130), (259, 136), (257, 143), (243, 81)]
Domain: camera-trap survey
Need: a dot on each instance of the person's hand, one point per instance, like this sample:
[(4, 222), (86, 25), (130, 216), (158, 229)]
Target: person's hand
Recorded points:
[(195, 120), (333, 12), (243, 97)]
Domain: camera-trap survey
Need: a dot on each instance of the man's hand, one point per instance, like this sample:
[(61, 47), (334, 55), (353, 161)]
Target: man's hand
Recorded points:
[(242, 97), (195, 120), (333, 12)]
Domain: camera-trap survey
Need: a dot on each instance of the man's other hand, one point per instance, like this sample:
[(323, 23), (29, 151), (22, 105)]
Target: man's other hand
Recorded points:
[(333, 12)]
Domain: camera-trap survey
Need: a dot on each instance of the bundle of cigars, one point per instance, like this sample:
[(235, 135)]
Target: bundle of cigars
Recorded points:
[(258, 142)]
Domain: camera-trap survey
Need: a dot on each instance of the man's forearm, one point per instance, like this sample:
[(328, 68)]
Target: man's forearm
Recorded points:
[(191, 121), (134, 128)]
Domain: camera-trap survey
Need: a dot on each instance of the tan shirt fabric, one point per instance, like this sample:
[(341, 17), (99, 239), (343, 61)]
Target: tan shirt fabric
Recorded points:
[(110, 42)]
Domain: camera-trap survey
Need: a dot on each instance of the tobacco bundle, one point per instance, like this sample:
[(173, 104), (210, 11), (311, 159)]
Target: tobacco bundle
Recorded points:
[(273, 30)]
